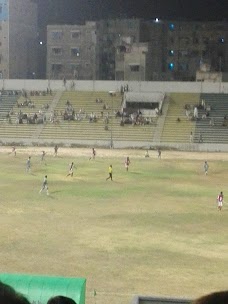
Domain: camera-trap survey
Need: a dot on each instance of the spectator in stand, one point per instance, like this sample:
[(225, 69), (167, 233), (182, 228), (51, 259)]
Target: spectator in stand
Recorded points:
[(195, 113), (203, 104), (212, 122), (191, 137), (200, 138)]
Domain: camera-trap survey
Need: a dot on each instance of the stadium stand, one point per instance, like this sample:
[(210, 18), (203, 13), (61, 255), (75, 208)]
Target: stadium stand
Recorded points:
[(12, 127), (75, 116), (7, 101), (214, 127), (105, 125), (178, 126)]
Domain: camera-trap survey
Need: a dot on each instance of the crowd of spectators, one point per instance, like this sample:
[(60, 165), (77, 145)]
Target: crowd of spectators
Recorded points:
[(10, 92), (192, 111), (25, 94), (23, 115), (104, 112), (133, 117), (126, 116)]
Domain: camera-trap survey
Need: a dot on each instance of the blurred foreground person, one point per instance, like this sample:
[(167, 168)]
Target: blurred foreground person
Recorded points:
[(61, 300), (220, 297), (9, 296)]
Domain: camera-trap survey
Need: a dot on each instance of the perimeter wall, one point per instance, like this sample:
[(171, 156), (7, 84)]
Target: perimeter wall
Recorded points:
[(135, 86)]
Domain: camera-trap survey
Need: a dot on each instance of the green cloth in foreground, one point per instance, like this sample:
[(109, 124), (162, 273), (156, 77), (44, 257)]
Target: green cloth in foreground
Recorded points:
[(39, 289)]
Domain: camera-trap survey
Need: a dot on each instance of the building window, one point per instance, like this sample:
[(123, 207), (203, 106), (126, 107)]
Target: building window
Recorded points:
[(196, 40), (56, 51), (183, 53), (134, 68), (56, 35), (171, 66), (171, 27), (75, 70), (121, 49), (206, 40), (183, 67), (171, 52), (184, 40), (195, 53), (74, 67), (172, 40), (131, 24), (75, 52), (75, 34), (57, 67)]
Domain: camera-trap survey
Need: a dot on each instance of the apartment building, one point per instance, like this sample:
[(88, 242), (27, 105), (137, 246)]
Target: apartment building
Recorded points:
[(135, 49), (18, 39), (72, 51)]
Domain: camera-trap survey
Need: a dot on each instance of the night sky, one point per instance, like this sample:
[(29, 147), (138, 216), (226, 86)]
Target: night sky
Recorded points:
[(76, 11)]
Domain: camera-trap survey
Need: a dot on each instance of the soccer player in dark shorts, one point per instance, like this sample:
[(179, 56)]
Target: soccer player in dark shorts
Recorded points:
[(43, 155), (93, 154), (56, 150), (127, 163)]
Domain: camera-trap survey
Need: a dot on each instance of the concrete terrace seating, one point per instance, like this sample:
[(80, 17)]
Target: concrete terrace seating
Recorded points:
[(217, 133), (80, 129), (85, 130), (7, 102), (173, 130), (14, 130)]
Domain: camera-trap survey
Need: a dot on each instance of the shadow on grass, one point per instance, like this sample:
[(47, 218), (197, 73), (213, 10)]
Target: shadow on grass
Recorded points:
[(54, 192), (134, 172), (51, 197)]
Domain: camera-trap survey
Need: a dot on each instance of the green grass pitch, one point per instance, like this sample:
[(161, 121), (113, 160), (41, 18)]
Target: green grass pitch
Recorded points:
[(154, 230)]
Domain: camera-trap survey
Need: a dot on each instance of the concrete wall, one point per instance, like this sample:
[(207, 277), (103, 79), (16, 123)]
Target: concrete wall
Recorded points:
[(134, 86), (116, 144)]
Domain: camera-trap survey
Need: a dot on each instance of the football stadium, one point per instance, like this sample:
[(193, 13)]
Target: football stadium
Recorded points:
[(113, 152)]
